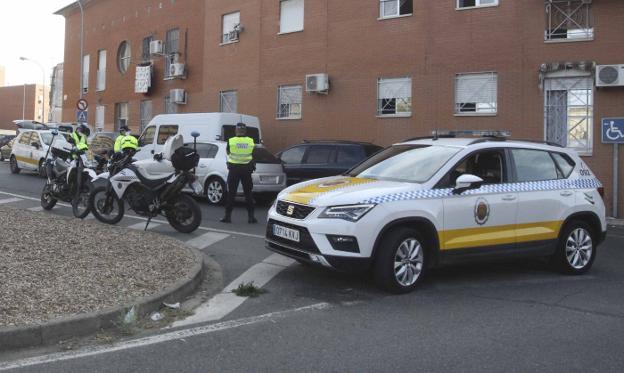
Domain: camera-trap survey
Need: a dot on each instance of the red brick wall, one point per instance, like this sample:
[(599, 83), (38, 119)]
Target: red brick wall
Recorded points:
[(11, 100)]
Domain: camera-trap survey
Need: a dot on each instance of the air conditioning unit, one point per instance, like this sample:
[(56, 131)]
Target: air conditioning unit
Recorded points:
[(610, 75), (178, 96), (318, 83), (156, 47), (177, 70)]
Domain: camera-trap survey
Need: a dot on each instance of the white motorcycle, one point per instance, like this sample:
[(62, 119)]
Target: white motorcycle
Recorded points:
[(151, 196)]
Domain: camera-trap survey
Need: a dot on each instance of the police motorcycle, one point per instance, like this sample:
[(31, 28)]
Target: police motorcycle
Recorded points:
[(151, 196), (69, 176)]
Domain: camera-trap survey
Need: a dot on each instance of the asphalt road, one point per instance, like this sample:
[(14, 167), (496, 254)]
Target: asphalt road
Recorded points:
[(513, 316)]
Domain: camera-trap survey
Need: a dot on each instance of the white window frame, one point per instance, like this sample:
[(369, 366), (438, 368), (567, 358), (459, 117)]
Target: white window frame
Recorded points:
[(477, 5), (488, 77), (99, 117), (292, 114), (282, 26), (228, 26), (171, 56), (123, 61), (86, 60), (143, 119), (121, 118), (589, 118), (401, 114), (100, 81), (225, 102), (398, 14)]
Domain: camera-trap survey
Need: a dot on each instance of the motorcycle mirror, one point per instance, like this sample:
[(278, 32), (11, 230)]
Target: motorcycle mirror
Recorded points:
[(195, 134), (54, 132)]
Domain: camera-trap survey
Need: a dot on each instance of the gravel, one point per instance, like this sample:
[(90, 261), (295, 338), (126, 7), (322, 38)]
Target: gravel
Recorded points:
[(53, 267)]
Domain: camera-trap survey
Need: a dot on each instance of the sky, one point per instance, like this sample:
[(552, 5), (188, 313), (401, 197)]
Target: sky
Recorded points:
[(30, 29)]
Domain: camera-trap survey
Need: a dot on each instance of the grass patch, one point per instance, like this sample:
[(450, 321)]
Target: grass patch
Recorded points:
[(248, 290)]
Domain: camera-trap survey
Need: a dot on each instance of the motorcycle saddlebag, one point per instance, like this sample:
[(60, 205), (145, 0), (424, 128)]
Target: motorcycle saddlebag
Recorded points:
[(184, 159)]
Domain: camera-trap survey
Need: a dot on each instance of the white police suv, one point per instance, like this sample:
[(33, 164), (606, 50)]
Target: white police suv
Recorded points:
[(429, 201)]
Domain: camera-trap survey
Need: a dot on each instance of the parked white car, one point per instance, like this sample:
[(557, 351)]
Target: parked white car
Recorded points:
[(29, 151), (268, 179)]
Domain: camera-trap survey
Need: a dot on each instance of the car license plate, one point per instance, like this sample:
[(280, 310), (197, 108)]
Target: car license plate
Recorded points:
[(269, 179), (287, 233)]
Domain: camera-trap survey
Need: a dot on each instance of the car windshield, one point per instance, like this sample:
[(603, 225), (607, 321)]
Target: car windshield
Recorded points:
[(406, 163), (46, 137)]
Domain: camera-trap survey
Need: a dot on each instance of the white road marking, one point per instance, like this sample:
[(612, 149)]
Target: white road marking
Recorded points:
[(35, 209), (141, 226), (9, 200), (156, 339), (225, 302), (206, 240), (153, 220)]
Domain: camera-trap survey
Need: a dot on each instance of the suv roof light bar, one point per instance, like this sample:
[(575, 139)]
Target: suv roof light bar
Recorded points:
[(475, 133)]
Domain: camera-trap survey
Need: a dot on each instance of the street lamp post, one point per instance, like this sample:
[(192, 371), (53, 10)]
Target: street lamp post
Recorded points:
[(43, 86), (81, 48)]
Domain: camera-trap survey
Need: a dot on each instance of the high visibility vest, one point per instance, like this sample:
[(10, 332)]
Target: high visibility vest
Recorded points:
[(80, 141), (241, 150), (129, 142), (118, 141)]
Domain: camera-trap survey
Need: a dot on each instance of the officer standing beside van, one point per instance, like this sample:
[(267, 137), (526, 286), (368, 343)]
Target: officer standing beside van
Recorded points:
[(240, 167)]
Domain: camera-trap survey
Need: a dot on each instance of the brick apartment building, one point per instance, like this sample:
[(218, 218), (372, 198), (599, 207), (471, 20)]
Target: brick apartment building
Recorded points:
[(21, 102), (396, 68)]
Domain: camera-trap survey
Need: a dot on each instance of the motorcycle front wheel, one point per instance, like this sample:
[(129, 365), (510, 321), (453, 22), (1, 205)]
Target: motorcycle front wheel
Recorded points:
[(184, 214), (105, 206), (80, 203), (47, 200)]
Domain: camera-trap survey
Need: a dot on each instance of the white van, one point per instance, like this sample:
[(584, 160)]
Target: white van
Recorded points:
[(211, 127)]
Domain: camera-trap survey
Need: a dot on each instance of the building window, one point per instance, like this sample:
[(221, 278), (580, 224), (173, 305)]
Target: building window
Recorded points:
[(86, 59), (463, 4), (476, 93), (172, 50), (231, 24), (99, 118), (289, 101), (569, 112), (568, 20), (394, 8), (145, 51), (170, 106), (146, 113), (291, 16), (121, 115), (123, 57), (394, 97), (228, 101), (100, 83)]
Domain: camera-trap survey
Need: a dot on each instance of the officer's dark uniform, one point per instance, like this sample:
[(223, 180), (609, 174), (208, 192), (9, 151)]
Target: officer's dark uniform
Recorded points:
[(240, 167)]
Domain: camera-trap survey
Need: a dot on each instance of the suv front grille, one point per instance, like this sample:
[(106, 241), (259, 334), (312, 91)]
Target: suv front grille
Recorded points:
[(299, 212)]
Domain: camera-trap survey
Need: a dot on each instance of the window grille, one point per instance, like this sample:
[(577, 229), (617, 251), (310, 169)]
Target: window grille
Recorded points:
[(568, 20), (172, 49), (228, 101), (123, 57), (289, 102), (145, 50), (394, 8)]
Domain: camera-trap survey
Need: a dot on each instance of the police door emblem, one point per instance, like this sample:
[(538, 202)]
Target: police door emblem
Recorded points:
[(291, 210), (481, 211)]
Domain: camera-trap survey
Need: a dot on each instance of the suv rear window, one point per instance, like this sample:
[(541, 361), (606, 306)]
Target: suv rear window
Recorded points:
[(564, 163), (293, 155), (261, 155), (320, 154), (350, 154), (534, 165)]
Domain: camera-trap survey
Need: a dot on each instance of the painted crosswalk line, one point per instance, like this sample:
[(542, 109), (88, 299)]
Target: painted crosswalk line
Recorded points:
[(141, 226), (35, 209), (206, 240), (9, 200)]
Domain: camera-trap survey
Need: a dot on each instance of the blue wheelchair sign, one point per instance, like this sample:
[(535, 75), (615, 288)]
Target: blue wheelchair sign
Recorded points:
[(613, 130)]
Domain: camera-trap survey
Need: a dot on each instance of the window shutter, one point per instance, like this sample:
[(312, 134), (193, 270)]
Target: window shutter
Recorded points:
[(291, 15), (395, 88), (478, 88)]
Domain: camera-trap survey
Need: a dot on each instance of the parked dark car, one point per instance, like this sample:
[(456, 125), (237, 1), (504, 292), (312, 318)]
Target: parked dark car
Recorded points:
[(5, 150), (315, 159), (4, 139)]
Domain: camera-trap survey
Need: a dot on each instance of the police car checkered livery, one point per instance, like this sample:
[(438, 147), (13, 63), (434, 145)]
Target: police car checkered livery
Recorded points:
[(430, 201)]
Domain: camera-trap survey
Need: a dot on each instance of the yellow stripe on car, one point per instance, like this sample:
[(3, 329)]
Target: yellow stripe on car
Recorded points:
[(306, 194), (499, 235), (27, 160)]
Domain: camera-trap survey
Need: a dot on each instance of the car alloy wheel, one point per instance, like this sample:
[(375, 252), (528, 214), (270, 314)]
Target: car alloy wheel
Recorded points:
[(215, 191), (408, 262), (579, 248)]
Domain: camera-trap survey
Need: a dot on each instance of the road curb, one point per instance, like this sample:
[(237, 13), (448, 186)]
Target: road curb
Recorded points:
[(86, 324)]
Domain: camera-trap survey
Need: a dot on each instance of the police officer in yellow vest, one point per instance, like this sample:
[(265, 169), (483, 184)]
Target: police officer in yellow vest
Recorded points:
[(79, 137), (123, 132), (240, 165)]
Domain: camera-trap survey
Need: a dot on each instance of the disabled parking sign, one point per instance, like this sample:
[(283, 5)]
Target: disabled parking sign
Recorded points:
[(613, 130)]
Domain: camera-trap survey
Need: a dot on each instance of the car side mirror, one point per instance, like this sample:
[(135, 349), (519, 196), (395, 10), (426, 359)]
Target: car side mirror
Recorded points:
[(467, 182)]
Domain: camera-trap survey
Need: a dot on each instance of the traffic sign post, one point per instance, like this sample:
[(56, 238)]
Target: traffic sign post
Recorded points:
[(613, 133), (82, 104)]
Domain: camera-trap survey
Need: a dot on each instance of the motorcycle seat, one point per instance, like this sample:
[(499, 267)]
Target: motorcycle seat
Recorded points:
[(152, 183)]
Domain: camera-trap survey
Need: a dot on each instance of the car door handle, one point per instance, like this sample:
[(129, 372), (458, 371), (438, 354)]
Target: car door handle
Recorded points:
[(509, 198), (566, 193), (202, 166)]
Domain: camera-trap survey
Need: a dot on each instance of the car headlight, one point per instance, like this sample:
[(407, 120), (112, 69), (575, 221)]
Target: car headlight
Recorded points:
[(351, 213)]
